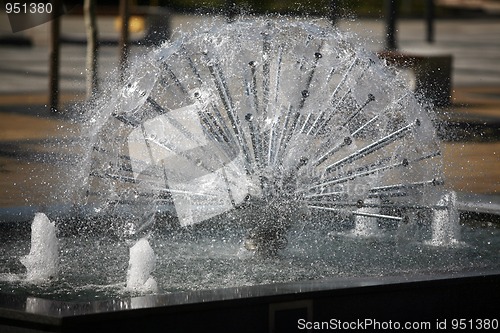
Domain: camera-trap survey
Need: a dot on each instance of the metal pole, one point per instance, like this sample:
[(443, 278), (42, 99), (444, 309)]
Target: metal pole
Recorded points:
[(333, 11), (124, 37), (54, 57), (429, 16), (231, 10), (391, 17), (92, 47)]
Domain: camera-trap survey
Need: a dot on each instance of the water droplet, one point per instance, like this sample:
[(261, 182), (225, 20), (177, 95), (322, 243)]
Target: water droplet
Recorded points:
[(305, 93), (318, 55)]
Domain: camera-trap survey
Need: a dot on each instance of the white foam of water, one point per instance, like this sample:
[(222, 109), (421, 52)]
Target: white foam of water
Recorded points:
[(141, 264), (43, 260)]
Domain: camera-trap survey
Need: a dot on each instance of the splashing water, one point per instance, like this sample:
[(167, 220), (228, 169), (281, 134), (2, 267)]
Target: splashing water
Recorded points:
[(261, 123)]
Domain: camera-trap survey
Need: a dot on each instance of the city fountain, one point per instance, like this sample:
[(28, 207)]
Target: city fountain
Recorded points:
[(275, 158)]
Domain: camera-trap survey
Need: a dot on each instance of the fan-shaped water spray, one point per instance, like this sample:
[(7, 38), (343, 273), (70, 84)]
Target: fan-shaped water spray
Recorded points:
[(262, 123)]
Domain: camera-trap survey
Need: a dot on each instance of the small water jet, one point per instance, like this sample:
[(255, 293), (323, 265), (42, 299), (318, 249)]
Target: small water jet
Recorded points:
[(366, 224), (445, 221), (141, 265), (42, 263)]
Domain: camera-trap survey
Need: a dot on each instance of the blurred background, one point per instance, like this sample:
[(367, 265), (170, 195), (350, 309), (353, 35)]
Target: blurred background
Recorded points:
[(47, 70)]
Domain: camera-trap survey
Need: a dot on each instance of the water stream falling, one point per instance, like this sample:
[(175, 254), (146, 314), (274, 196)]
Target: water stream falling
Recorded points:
[(261, 151)]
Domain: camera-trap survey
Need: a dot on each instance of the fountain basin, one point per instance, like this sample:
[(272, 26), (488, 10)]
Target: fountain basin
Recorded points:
[(341, 277), (286, 307), (207, 256)]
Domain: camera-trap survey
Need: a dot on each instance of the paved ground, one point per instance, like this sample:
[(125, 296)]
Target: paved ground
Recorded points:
[(27, 165)]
